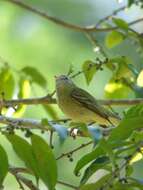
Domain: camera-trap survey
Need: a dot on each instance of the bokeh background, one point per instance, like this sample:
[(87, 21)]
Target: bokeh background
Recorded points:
[(29, 40)]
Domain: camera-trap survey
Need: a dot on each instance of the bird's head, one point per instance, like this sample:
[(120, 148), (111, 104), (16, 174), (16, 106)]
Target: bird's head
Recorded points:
[(63, 81)]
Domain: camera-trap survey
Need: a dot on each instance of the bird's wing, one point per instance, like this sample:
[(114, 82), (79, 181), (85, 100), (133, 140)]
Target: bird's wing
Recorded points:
[(90, 103)]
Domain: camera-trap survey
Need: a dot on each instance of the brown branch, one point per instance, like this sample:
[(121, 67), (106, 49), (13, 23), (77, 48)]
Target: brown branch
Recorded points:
[(49, 100), (20, 179), (71, 26), (16, 170), (29, 101), (121, 102)]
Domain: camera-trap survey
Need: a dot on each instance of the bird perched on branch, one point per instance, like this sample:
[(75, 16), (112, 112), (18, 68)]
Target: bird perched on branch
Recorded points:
[(80, 106)]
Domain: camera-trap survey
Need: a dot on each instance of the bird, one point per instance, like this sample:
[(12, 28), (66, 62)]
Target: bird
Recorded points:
[(80, 106)]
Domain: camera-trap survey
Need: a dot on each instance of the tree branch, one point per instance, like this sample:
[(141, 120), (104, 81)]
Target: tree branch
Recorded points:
[(29, 101), (71, 26), (23, 123), (49, 100), (115, 12), (74, 150), (67, 184), (20, 179), (121, 102)]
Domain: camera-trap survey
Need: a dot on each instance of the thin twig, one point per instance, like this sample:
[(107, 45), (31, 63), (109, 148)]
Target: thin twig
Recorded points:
[(67, 184), (117, 170), (115, 12), (74, 150), (51, 139), (66, 24)]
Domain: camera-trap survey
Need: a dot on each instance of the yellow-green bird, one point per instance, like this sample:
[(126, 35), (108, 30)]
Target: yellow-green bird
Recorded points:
[(80, 106)]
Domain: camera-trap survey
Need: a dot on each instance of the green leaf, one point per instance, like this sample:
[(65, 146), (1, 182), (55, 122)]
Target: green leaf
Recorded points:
[(109, 150), (116, 90), (97, 185), (130, 2), (132, 183), (7, 83), (132, 121), (24, 88), (89, 69), (24, 151), (3, 165), (99, 163), (121, 23), (113, 39), (98, 151), (123, 70), (45, 161), (35, 76), (129, 170), (24, 92)]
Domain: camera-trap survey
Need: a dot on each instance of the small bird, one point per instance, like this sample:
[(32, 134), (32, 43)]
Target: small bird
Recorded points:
[(80, 106)]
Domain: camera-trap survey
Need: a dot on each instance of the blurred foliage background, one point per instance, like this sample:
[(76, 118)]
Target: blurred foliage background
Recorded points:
[(29, 40)]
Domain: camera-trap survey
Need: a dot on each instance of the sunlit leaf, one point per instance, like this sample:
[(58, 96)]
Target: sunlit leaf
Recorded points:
[(7, 83), (121, 23), (113, 39), (35, 76), (89, 69), (24, 151), (140, 79), (123, 70), (116, 90), (3, 165), (24, 92), (46, 162), (138, 156)]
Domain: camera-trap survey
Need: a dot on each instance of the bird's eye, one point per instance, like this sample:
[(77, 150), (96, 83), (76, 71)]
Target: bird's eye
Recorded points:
[(65, 78)]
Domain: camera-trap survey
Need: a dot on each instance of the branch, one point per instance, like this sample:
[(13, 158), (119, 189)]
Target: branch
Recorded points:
[(71, 26), (67, 184), (20, 179), (23, 123), (74, 150), (121, 102), (16, 170), (49, 100), (29, 101), (111, 15)]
